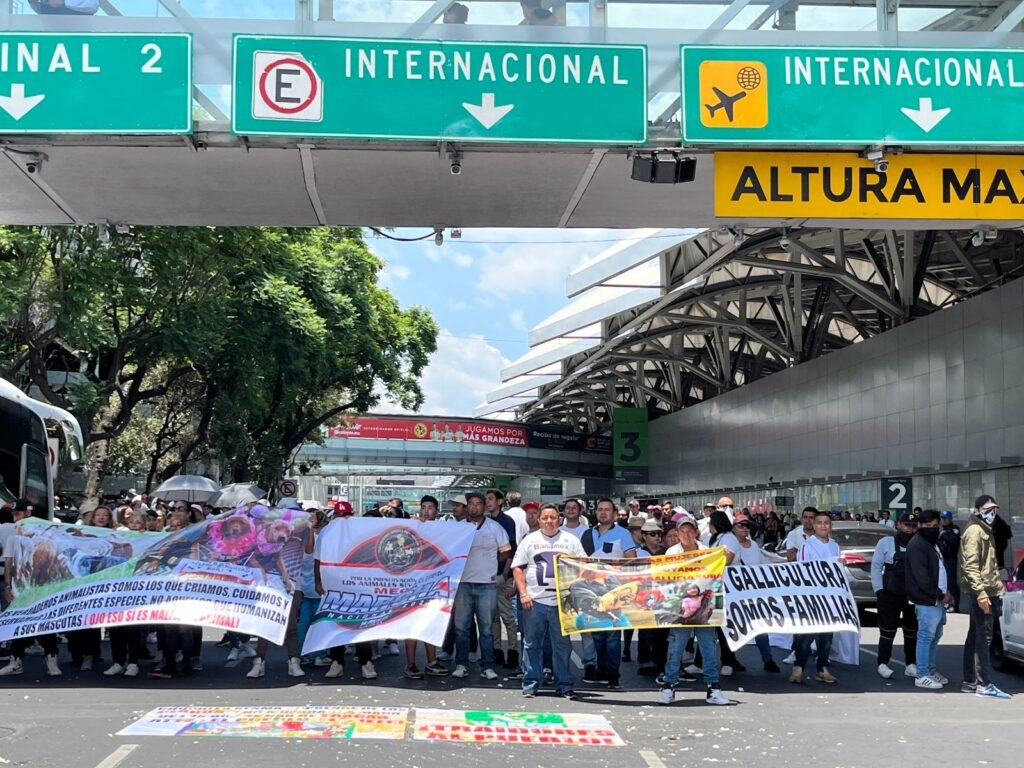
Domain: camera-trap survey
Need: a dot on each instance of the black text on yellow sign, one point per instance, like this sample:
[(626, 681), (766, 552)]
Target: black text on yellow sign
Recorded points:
[(836, 185)]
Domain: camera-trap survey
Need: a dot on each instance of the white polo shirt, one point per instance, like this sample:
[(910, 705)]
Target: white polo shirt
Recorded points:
[(482, 563)]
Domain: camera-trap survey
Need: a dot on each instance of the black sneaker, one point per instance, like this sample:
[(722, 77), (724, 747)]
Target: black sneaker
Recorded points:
[(224, 642), (499, 657), (591, 675), (613, 684), (771, 666), (737, 667), (567, 695), (413, 672)]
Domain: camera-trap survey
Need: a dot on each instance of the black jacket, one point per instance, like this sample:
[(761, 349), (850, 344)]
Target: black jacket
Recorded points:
[(922, 572)]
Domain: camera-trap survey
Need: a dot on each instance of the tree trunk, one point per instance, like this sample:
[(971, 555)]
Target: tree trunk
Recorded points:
[(95, 469)]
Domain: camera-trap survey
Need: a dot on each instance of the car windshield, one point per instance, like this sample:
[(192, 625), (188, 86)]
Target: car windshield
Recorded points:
[(857, 539)]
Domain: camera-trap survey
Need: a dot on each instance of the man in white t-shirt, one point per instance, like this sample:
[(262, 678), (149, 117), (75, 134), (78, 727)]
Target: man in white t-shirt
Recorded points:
[(477, 594), (575, 523), (820, 546), (518, 515), (751, 554), (533, 569), (799, 535)]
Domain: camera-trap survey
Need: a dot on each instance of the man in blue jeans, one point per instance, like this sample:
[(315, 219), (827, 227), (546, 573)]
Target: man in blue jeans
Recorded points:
[(477, 595), (533, 569), (928, 590)]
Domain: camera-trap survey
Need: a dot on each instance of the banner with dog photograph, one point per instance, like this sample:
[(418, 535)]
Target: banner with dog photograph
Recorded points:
[(682, 590), (386, 578), (790, 598), (232, 572)]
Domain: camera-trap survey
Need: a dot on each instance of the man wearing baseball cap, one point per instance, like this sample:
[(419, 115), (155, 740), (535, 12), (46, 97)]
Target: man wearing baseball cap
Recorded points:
[(888, 569), (459, 504)]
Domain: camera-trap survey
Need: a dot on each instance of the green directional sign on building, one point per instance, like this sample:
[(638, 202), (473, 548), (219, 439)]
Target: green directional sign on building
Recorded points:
[(630, 445), (823, 96), (95, 83), (431, 89)]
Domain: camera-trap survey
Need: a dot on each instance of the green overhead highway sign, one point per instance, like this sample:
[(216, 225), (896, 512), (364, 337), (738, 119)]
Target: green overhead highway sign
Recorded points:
[(823, 96), (430, 89), (57, 82)]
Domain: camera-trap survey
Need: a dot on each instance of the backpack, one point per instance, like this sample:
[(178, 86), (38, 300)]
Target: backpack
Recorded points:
[(894, 574)]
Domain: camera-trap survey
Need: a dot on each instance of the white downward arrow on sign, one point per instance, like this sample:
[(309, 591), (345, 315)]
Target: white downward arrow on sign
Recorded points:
[(924, 116), (17, 105), (486, 112)]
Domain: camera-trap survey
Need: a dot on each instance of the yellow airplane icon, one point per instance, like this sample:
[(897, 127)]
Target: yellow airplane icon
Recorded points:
[(733, 94)]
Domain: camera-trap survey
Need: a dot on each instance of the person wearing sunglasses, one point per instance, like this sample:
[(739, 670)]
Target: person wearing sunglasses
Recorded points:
[(751, 554), (979, 581)]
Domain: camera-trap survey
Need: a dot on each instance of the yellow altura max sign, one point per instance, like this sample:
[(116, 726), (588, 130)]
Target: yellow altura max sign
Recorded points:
[(846, 186)]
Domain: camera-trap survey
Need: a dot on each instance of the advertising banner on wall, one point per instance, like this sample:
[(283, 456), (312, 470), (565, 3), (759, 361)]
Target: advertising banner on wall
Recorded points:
[(440, 430), (788, 598), (643, 593), (232, 572), (387, 578), (630, 445)]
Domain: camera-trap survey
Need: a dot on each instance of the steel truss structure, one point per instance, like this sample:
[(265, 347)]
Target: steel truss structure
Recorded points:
[(734, 307)]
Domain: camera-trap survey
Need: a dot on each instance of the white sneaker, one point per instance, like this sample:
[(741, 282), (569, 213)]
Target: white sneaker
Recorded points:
[(791, 659), (234, 655), (132, 670), (911, 670), (489, 674), (13, 668), (335, 670), (940, 677), (928, 682), (667, 696), (393, 649), (726, 671), (693, 669), (322, 661), (442, 656), (86, 664), (258, 669), (52, 667), (460, 671), (715, 696), (113, 669), (369, 671), (884, 670), (474, 657), (247, 650), (295, 668)]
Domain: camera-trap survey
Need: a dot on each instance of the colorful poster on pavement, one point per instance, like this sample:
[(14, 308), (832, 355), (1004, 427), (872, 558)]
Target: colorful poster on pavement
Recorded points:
[(232, 572), (386, 578), (791, 598), (478, 727), (273, 722), (643, 593)]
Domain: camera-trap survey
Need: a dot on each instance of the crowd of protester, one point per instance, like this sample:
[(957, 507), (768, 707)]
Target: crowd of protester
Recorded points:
[(505, 612)]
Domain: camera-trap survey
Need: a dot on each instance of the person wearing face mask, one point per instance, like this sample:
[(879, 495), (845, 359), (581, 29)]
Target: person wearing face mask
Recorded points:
[(927, 589), (888, 569), (979, 582)]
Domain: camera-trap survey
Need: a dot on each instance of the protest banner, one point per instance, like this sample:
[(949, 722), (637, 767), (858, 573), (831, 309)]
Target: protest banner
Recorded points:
[(794, 598), (387, 578), (233, 572), (337, 722), (478, 727), (682, 590)]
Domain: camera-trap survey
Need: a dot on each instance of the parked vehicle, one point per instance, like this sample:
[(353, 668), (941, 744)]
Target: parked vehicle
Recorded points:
[(1008, 633)]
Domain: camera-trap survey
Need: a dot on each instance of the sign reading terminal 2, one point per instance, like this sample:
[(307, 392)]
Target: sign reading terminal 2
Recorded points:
[(751, 185), (430, 90), (821, 96)]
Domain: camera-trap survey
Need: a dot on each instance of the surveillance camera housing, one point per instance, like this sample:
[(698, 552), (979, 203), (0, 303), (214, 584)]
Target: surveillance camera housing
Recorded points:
[(784, 242), (32, 167), (882, 166), (456, 168)]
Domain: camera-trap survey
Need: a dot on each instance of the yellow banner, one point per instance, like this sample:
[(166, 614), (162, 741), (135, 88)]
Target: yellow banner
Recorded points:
[(833, 185), (671, 591)]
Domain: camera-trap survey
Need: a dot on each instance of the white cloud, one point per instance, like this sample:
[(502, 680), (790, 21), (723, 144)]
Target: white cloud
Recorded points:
[(517, 321), (400, 271), (461, 259), (529, 269)]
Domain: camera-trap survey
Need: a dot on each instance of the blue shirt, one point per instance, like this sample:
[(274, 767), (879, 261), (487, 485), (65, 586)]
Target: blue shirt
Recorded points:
[(614, 542)]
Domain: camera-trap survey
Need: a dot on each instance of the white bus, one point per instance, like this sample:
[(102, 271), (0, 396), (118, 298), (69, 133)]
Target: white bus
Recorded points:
[(33, 435)]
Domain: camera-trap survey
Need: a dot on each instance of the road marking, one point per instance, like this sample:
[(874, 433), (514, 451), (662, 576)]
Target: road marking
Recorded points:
[(114, 758), (652, 760)]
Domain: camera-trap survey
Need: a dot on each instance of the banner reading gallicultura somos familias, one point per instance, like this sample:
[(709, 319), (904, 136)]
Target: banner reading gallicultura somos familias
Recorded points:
[(233, 572), (789, 598), (682, 590), (387, 578)]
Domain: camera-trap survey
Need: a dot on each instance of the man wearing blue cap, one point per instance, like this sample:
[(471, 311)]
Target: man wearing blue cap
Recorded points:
[(949, 546)]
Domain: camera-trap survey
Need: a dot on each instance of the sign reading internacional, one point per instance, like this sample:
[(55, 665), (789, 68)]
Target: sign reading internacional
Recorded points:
[(432, 89), (57, 82), (833, 185), (819, 96)]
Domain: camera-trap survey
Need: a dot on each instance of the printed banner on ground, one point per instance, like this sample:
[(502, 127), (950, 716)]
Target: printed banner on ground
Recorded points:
[(387, 578), (273, 722), (233, 572), (515, 728), (648, 593), (793, 598)]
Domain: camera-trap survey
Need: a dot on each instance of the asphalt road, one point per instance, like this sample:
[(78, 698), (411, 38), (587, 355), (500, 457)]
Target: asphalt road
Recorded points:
[(863, 721)]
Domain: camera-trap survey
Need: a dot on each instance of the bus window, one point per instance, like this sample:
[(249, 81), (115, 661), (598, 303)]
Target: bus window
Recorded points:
[(35, 468)]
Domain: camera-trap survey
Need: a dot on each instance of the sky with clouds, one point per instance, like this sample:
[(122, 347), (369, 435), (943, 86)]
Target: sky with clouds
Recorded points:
[(486, 291)]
